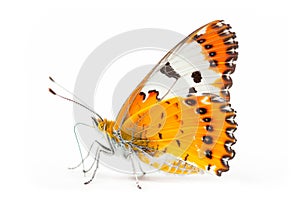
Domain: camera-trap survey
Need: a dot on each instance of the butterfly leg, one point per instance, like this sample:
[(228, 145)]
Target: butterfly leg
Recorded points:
[(82, 161), (107, 150), (79, 148), (134, 170), (141, 169), (97, 158), (103, 149), (92, 165)]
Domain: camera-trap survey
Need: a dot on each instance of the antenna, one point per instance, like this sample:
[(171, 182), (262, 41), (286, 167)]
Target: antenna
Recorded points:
[(80, 104), (66, 90)]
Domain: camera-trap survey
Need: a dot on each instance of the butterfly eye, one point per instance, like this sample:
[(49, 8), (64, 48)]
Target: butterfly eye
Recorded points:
[(101, 125)]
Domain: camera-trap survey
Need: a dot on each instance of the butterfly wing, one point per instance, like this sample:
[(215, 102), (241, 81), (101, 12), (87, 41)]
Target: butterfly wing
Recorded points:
[(201, 63), (165, 112), (195, 132)]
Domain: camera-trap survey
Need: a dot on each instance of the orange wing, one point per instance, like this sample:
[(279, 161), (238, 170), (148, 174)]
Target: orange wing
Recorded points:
[(196, 131), (189, 118)]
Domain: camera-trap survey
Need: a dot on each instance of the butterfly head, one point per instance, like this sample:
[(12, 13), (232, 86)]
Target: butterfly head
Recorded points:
[(99, 123), (102, 125)]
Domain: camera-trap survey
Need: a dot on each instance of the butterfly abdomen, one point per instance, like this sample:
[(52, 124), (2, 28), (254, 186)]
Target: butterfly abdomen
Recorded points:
[(170, 164)]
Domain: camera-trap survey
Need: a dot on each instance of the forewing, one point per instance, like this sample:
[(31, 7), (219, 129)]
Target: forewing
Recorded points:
[(201, 63)]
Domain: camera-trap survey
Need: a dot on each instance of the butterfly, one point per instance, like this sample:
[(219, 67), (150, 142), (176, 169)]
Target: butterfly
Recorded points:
[(179, 118)]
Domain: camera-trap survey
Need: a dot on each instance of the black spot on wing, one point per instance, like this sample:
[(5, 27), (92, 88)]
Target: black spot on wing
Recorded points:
[(192, 90), (208, 154), (186, 157), (160, 135), (212, 54), (207, 139), (201, 111), (143, 95), (208, 167), (178, 143), (169, 71), (201, 41), (196, 76), (213, 63), (208, 46), (190, 102), (209, 128), (207, 119)]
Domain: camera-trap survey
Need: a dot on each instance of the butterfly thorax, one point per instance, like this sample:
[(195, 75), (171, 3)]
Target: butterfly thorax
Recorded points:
[(108, 126)]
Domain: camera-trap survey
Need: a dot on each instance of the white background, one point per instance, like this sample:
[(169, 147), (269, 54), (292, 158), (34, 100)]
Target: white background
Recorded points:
[(37, 143)]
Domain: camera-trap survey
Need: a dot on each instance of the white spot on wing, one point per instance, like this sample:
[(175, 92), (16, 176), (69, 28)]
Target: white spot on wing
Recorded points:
[(201, 31)]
